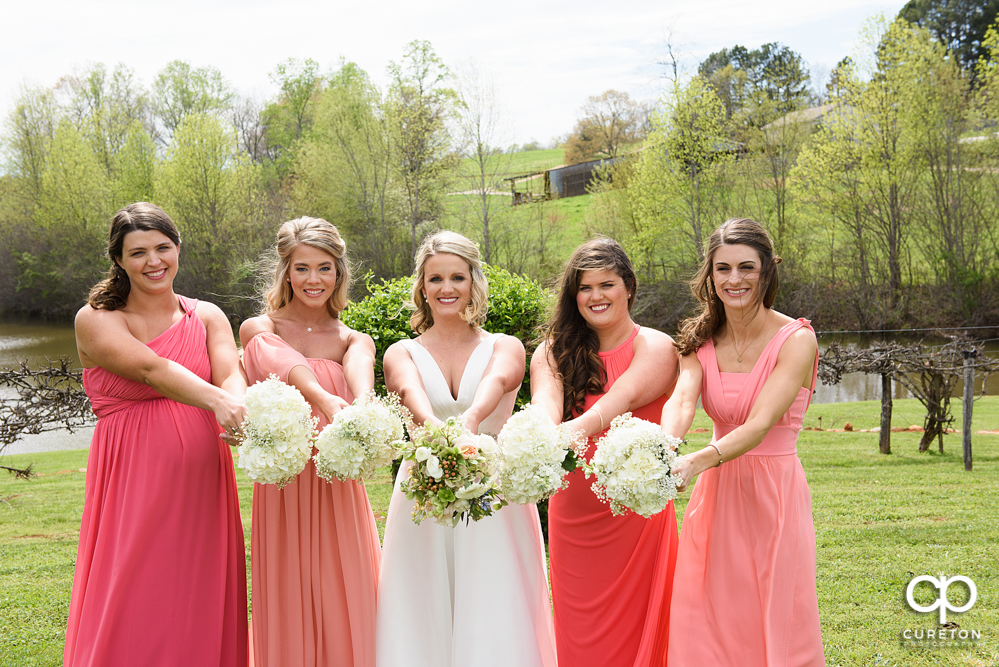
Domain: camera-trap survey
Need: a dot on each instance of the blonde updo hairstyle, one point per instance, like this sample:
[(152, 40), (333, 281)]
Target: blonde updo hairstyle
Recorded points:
[(460, 246), (315, 233)]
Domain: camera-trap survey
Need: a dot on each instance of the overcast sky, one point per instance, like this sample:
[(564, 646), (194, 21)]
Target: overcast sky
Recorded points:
[(544, 58)]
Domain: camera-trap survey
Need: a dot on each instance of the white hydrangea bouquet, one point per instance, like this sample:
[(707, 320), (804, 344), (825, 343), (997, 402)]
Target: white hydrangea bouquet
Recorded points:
[(453, 476), (536, 456), (362, 438), (633, 465), (278, 432)]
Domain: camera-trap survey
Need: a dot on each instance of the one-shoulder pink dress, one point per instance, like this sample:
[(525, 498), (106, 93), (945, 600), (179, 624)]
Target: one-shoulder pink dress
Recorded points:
[(744, 592), (160, 571), (612, 576), (314, 551)]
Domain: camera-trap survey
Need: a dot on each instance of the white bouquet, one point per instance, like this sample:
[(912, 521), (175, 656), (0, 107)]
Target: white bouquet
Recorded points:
[(633, 465), (453, 474), (362, 438), (536, 456), (277, 433)]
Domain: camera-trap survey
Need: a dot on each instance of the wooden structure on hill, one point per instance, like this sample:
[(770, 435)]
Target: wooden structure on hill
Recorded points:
[(558, 182)]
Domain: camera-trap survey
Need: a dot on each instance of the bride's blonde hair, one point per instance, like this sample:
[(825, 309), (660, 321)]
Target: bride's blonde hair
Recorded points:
[(460, 246)]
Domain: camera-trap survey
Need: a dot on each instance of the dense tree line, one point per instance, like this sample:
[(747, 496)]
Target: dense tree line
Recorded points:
[(881, 191), (883, 202)]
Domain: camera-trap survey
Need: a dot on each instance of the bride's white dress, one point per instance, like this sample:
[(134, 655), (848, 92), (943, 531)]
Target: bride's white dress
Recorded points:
[(470, 596)]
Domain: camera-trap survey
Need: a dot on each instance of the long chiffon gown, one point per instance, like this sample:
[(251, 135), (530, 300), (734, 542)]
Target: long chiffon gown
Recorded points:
[(745, 574), (314, 552), (160, 571), (471, 596), (612, 576)]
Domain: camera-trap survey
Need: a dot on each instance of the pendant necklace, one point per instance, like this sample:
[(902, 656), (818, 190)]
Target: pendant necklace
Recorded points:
[(308, 327)]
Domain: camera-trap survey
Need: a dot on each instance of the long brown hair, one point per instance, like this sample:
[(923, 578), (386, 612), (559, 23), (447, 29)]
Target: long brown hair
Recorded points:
[(112, 292), (315, 233), (573, 347), (695, 331)]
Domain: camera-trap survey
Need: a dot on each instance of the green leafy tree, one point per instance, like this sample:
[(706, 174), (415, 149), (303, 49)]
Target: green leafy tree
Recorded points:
[(610, 122), (864, 164), (180, 89), (287, 118), (959, 25), (680, 181), (208, 188), (420, 105), (344, 173)]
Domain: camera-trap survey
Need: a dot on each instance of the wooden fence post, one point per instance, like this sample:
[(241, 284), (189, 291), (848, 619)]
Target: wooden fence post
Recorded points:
[(884, 441), (968, 402)]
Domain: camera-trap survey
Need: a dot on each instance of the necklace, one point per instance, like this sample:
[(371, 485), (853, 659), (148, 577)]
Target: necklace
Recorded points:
[(308, 327), (752, 340)]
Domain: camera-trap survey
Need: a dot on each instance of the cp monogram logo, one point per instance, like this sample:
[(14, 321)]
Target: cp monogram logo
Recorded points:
[(941, 584)]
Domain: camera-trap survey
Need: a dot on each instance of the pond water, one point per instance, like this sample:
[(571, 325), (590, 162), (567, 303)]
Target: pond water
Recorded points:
[(35, 342)]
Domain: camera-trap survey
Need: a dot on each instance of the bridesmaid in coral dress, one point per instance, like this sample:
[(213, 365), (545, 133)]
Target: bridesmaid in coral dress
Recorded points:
[(160, 572), (744, 592), (314, 545), (611, 575)]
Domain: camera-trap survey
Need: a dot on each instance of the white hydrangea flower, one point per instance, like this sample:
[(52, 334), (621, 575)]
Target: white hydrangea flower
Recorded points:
[(633, 466), (277, 433), (362, 438), (533, 456)]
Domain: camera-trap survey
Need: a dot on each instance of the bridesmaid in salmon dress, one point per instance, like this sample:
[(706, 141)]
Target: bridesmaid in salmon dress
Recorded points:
[(744, 592), (612, 576), (314, 553), (160, 571)]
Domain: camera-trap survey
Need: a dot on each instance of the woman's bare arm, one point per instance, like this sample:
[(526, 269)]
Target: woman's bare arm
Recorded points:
[(503, 374)]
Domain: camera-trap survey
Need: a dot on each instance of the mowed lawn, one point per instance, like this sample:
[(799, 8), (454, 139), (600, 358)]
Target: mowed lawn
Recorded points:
[(880, 521)]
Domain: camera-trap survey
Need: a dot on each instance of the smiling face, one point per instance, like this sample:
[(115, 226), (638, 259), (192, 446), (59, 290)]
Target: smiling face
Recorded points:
[(149, 258), (602, 298), (447, 282), (312, 274), (735, 272)]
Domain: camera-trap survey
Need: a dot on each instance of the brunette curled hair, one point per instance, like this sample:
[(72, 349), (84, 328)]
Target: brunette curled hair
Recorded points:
[(695, 331), (112, 292), (573, 347)]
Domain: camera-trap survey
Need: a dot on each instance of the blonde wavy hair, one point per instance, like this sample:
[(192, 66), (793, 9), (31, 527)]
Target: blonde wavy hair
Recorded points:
[(315, 233), (460, 246)]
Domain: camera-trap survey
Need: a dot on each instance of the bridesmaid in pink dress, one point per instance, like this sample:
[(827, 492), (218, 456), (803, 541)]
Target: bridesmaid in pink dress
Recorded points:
[(314, 545), (611, 575), (160, 572), (744, 592)]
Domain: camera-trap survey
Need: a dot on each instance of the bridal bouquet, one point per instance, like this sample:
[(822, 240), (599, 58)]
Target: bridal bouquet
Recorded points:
[(453, 474), (536, 456), (633, 465), (277, 433), (362, 437)]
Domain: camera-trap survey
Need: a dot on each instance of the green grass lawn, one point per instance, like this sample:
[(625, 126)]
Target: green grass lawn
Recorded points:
[(879, 520)]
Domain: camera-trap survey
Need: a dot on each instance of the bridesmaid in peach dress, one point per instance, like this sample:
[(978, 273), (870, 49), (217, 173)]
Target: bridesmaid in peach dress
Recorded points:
[(160, 572), (744, 592), (314, 545), (612, 576)]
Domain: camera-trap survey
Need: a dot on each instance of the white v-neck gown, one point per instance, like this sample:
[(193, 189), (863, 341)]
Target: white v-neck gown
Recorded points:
[(470, 596)]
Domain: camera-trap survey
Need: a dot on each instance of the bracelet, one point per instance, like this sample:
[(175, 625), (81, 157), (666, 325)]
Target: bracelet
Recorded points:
[(600, 416), (721, 460)]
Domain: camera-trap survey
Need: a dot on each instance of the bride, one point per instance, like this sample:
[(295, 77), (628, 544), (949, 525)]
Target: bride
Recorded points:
[(475, 595)]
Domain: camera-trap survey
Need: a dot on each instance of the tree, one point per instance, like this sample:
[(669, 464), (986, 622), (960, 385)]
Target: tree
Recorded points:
[(208, 188), (29, 131), (480, 122), (610, 121), (679, 182), (180, 89), (290, 116), (420, 104), (863, 165), (959, 25), (344, 172), (758, 86)]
